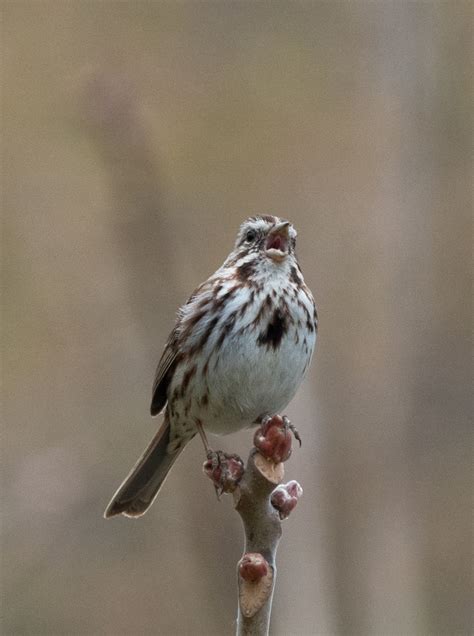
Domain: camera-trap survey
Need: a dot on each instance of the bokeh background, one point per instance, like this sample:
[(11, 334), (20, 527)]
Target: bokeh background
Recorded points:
[(136, 137)]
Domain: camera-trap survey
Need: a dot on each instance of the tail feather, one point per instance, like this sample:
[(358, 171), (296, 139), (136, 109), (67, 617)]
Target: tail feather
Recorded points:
[(138, 491)]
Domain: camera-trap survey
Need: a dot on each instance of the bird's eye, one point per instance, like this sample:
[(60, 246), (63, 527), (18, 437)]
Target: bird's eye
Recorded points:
[(250, 236)]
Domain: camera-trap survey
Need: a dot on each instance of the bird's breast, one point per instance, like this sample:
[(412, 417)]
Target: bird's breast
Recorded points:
[(258, 366), (246, 356)]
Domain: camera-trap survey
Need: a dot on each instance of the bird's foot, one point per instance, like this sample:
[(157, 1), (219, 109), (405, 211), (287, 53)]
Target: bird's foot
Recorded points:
[(273, 438), (224, 470)]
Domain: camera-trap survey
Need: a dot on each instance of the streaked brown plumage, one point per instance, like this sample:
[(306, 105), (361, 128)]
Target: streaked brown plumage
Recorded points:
[(239, 350)]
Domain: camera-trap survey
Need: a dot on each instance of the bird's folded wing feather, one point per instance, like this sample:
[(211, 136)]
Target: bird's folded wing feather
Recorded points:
[(164, 373), (170, 356)]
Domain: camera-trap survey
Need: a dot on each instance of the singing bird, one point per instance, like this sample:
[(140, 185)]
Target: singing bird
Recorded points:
[(238, 352)]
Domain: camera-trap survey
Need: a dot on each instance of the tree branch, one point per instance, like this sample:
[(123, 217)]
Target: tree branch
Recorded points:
[(262, 528), (261, 503)]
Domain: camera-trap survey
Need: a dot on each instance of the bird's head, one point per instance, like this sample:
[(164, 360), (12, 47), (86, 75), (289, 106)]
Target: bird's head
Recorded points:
[(267, 236)]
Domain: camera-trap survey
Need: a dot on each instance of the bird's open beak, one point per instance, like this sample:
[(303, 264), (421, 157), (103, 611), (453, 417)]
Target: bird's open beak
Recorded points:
[(278, 241)]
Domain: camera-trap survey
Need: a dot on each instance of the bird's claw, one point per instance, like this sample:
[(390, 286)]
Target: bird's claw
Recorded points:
[(293, 429), (273, 438), (224, 470)]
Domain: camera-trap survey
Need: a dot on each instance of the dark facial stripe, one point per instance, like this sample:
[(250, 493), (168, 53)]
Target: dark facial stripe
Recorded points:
[(245, 271)]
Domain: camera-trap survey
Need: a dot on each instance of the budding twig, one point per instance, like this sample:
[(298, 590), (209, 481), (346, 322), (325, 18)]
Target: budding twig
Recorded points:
[(262, 502)]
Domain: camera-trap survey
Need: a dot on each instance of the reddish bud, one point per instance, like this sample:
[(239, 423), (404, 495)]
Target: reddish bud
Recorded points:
[(273, 439), (285, 497), (252, 567), (224, 470)]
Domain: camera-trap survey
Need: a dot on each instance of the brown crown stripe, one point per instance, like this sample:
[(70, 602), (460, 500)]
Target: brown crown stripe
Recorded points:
[(269, 218)]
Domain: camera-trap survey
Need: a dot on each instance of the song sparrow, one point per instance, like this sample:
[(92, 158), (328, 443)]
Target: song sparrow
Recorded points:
[(239, 350)]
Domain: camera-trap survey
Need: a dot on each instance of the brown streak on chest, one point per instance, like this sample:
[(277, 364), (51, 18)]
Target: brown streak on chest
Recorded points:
[(226, 328), (209, 329), (286, 311), (192, 321), (295, 276), (277, 327), (264, 308), (219, 301), (187, 378), (309, 321)]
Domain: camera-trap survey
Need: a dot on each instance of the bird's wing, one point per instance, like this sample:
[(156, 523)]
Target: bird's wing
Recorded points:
[(170, 356), (164, 373)]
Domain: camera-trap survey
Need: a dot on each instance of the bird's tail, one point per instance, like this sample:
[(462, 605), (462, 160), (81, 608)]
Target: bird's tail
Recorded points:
[(138, 491)]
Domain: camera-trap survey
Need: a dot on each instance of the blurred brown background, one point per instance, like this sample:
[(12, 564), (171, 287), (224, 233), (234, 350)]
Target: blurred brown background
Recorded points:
[(136, 138)]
